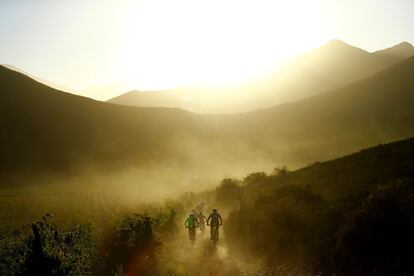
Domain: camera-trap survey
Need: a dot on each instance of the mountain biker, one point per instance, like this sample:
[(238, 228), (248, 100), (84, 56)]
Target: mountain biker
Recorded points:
[(191, 223), (200, 207), (214, 220), (202, 221)]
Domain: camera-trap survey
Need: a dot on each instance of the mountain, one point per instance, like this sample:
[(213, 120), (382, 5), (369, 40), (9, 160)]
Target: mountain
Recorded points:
[(175, 98), (46, 82), (105, 91), (331, 66), (402, 50), (102, 90), (44, 129), (375, 110), (47, 130)]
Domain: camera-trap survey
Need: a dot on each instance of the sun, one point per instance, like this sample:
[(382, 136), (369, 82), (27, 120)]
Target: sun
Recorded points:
[(176, 42)]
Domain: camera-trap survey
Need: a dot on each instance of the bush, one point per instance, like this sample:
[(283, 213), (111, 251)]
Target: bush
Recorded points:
[(48, 250), (255, 178), (131, 245), (228, 191), (13, 248), (281, 226), (280, 172), (134, 241), (378, 238)]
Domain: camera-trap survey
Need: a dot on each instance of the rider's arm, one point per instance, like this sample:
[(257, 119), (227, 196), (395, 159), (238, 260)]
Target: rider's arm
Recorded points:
[(186, 223), (221, 220), (208, 219)]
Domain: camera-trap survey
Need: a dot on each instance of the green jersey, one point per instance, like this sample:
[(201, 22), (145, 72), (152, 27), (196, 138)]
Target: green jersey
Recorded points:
[(191, 222)]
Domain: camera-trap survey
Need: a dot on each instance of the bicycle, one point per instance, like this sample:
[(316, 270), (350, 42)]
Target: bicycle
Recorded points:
[(192, 234), (215, 234)]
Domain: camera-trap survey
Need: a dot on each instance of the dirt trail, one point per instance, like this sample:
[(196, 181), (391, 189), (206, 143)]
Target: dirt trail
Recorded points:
[(181, 258)]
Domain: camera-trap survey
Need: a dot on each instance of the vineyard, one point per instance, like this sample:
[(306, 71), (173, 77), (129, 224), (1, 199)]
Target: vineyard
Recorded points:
[(19, 206)]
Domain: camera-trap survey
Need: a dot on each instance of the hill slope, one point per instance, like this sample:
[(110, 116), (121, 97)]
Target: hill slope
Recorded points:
[(348, 216), (44, 129), (375, 110), (358, 173), (329, 67), (45, 82)]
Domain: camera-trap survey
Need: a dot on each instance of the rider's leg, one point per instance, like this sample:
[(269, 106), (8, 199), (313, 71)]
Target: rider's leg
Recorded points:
[(191, 233)]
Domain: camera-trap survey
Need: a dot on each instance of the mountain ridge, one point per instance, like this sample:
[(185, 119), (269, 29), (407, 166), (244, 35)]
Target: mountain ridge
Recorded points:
[(402, 50), (304, 76), (51, 130), (38, 79)]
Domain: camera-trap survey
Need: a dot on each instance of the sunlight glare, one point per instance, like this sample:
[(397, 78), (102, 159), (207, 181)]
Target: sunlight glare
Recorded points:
[(213, 42)]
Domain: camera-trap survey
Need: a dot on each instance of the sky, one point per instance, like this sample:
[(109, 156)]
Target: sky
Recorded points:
[(102, 48)]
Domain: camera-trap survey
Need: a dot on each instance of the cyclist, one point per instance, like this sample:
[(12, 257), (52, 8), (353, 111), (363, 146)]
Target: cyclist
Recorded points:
[(214, 220), (202, 221), (200, 207), (191, 223)]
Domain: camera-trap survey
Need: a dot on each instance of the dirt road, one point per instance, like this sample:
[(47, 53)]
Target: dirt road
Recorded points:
[(202, 258)]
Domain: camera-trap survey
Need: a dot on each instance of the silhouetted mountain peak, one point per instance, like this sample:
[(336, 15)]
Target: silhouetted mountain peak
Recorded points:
[(339, 47), (402, 50), (404, 44), (337, 42)]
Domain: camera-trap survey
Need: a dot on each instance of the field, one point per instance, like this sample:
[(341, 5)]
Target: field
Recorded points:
[(312, 221), (22, 205), (108, 213)]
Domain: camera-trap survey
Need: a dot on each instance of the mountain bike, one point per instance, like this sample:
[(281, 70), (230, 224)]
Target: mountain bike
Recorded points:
[(192, 234), (215, 234)]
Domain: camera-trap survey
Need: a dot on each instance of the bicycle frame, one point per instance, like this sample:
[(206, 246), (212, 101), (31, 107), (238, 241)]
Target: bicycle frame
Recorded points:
[(214, 232)]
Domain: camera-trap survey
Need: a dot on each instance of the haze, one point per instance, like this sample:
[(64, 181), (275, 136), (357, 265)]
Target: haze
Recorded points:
[(103, 48), (225, 137)]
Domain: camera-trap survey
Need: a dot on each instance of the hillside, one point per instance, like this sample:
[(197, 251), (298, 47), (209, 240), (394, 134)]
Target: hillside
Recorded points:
[(348, 216), (372, 111), (45, 82), (47, 130), (352, 175), (329, 67)]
